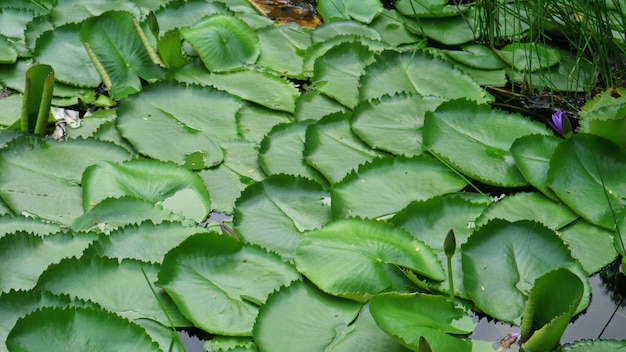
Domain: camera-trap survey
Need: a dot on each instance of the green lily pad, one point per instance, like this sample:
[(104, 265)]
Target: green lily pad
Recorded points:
[(197, 118), (532, 156), (461, 128), (551, 305), (593, 346), (41, 177), (586, 173), (477, 56), (530, 56), (591, 245), (282, 151), (360, 10), (12, 224), (223, 42), (118, 286), (268, 90), (502, 260), (29, 255), (391, 183), (393, 123), (301, 317), (418, 72), (275, 212), (333, 149), (118, 53), (408, 317), (77, 329), (430, 220), (331, 256), (175, 188), (337, 72), (61, 48), (282, 49), (213, 278), (449, 26)]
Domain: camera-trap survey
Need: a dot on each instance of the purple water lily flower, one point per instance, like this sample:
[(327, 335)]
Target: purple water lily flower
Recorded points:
[(561, 123)]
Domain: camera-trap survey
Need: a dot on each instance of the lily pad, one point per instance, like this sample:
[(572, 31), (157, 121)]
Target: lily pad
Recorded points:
[(175, 188), (460, 128), (213, 278), (394, 123), (118, 53), (360, 10), (502, 260), (197, 118), (118, 286), (418, 72), (333, 149), (223, 42), (77, 329), (408, 317), (41, 177), (275, 212), (331, 257), (530, 56), (532, 156), (391, 183), (586, 173), (301, 317)]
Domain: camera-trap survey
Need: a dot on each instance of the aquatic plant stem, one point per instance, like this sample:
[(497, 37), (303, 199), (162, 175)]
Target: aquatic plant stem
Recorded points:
[(169, 319)]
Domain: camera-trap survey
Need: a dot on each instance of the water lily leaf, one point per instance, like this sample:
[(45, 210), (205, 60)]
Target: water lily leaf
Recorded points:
[(12, 224), (146, 242), (223, 42), (28, 255), (12, 24), (586, 173), (282, 49), (449, 26), (571, 74), (112, 213), (175, 188), (359, 10), (313, 105), (427, 8), (41, 177), (16, 304), (430, 221), (303, 318), (77, 329), (118, 286), (213, 278), (118, 54), (477, 56), (532, 156), (327, 31), (254, 121), (392, 183), (529, 206), (392, 28), (393, 123), (591, 245), (551, 305), (408, 317), (61, 48), (337, 72), (74, 11), (418, 72), (275, 212), (606, 121), (239, 170), (230, 343), (282, 152), (502, 260), (460, 127), (268, 90), (333, 149), (530, 56), (180, 14), (8, 53), (197, 118), (331, 257)]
